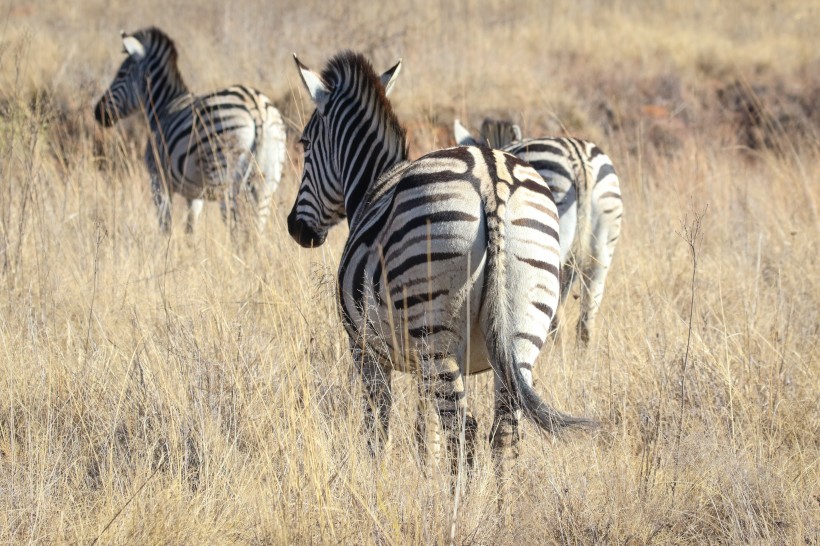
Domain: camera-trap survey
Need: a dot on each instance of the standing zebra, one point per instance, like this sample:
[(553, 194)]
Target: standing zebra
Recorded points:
[(213, 146), (451, 264), (588, 196)]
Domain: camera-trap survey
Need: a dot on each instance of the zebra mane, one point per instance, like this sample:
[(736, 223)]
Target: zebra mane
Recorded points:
[(349, 68), (154, 41)]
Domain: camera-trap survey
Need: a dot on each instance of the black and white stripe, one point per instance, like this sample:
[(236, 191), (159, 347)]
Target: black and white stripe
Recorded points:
[(588, 195), (454, 253), (219, 146)]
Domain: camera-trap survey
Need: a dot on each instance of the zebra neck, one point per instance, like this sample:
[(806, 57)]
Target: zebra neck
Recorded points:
[(165, 90), (376, 155)]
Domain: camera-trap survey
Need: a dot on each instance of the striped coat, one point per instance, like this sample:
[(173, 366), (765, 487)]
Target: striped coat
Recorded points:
[(223, 146), (588, 196), (451, 266)]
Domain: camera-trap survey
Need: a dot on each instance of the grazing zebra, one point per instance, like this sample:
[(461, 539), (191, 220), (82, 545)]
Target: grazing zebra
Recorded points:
[(586, 191), (449, 256), (214, 146)]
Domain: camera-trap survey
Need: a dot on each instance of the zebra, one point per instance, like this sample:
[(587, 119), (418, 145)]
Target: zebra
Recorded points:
[(587, 193), (209, 147), (451, 263)]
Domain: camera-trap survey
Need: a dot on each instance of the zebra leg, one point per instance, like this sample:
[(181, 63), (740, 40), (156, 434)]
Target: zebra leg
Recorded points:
[(194, 210), (261, 190), (568, 278), (241, 191), (263, 201), (505, 434), (228, 211), (428, 439), (378, 399), (595, 271), (162, 200), (592, 292), (443, 378)]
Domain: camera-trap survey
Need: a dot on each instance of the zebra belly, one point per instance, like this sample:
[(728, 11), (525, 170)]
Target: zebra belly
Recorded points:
[(425, 316), (396, 350), (472, 355), (208, 166), (425, 285)]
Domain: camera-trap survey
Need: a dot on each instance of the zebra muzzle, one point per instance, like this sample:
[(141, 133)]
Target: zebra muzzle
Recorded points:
[(104, 114), (302, 233)]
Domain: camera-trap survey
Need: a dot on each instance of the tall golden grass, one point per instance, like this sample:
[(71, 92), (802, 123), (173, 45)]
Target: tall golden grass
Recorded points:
[(180, 389)]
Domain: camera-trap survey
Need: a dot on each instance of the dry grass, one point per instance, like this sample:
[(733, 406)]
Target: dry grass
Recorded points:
[(180, 390)]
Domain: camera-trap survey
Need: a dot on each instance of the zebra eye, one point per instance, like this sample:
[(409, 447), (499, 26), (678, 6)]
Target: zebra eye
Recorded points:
[(305, 144)]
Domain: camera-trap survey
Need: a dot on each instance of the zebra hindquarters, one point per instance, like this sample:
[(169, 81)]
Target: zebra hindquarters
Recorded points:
[(605, 230), (520, 298), (378, 397)]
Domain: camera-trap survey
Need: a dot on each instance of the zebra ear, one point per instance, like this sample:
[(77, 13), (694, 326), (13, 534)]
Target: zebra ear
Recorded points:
[(314, 84), (517, 132), (463, 136), (389, 77), (133, 46)]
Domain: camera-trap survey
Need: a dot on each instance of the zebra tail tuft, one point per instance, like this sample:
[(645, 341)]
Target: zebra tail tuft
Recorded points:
[(545, 416)]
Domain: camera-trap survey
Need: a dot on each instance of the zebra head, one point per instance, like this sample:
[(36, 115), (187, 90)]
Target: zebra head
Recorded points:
[(148, 77), (499, 133), (321, 201), (124, 94), (494, 133)]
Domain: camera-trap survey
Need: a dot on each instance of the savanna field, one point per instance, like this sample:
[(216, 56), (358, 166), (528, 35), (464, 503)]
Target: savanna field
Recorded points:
[(186, 389)]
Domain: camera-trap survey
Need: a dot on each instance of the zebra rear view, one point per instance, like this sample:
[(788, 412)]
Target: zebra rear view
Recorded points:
[(455, 247), (225, 146), (588, 196)]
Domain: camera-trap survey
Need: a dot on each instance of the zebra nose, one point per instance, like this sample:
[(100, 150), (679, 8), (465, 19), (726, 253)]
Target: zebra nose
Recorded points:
[(302, 233)]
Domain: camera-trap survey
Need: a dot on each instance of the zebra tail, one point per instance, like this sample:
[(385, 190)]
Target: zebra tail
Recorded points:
[(500, 335)]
